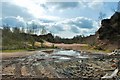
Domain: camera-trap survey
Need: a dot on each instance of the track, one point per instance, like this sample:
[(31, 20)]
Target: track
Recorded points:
[(31, 66)]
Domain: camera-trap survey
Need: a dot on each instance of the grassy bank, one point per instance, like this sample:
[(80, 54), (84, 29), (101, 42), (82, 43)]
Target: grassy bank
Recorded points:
[(94, 50), (22, 50), (17, 50), (78, 47)]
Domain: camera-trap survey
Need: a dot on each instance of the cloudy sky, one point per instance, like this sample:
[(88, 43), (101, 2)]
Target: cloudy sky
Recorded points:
[(63, 18)]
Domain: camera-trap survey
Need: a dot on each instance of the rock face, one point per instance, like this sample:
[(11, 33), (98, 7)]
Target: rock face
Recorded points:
[(108, 35)]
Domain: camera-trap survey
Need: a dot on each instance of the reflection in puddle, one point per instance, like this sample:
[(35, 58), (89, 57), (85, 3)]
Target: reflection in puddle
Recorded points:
[(66, 54)]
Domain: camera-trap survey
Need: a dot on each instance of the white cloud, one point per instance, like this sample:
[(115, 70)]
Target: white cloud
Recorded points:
[(20, 18), (92, 4), (95, 5), (53, 18), (64, 5), (41, 17), (13, 21), (27, 9), (79, 25), (9, 9), (31, 6)]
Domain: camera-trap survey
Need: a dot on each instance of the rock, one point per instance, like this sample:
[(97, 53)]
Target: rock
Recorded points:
[(113, 65)]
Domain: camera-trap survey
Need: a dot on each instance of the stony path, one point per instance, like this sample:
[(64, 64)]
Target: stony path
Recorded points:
[(41, 66), (31, 68)]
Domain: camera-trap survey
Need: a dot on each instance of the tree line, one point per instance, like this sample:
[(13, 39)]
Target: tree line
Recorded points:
[(17, 38)]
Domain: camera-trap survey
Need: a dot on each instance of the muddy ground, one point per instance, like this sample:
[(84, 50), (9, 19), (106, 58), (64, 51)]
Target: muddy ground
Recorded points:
[(39, 65)]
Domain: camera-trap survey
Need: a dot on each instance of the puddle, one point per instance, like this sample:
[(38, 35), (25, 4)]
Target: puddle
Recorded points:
[(66, 54)]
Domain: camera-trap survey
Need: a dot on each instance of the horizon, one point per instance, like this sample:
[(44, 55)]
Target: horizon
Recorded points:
[(64, 19)]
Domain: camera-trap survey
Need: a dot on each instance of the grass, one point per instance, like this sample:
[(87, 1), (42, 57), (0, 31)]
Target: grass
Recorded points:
[(16, 50), (21, 50), (91, 49), (87, 48), (103, 51)]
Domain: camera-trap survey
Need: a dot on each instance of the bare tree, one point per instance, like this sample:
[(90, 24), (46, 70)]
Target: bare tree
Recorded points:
[(27, 28), (22, 30), (43, 31), (113, 9), (118, 8), (101, 16)]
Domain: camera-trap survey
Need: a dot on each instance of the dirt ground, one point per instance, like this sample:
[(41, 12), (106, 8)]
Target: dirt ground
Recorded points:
[(5, 55), (50, 69), (71, 46)]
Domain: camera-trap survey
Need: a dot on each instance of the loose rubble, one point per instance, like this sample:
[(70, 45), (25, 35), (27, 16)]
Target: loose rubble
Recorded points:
[(42, 65)]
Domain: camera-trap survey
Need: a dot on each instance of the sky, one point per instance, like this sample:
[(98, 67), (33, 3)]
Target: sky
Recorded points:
[(64, 18)]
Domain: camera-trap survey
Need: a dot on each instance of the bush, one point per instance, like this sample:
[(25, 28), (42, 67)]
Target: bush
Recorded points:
[(98, 48)]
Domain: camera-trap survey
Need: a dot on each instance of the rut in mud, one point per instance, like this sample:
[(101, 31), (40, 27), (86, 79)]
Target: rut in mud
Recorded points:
[(58, 65)]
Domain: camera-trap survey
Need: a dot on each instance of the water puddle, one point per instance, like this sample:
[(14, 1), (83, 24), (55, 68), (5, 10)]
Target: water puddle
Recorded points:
[(66, 54)]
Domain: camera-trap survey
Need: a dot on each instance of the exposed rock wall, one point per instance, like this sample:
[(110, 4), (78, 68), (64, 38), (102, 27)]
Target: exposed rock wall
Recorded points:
[(108, 35)]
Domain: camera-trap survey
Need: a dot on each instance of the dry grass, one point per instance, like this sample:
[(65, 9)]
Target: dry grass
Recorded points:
[(16, 54)]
